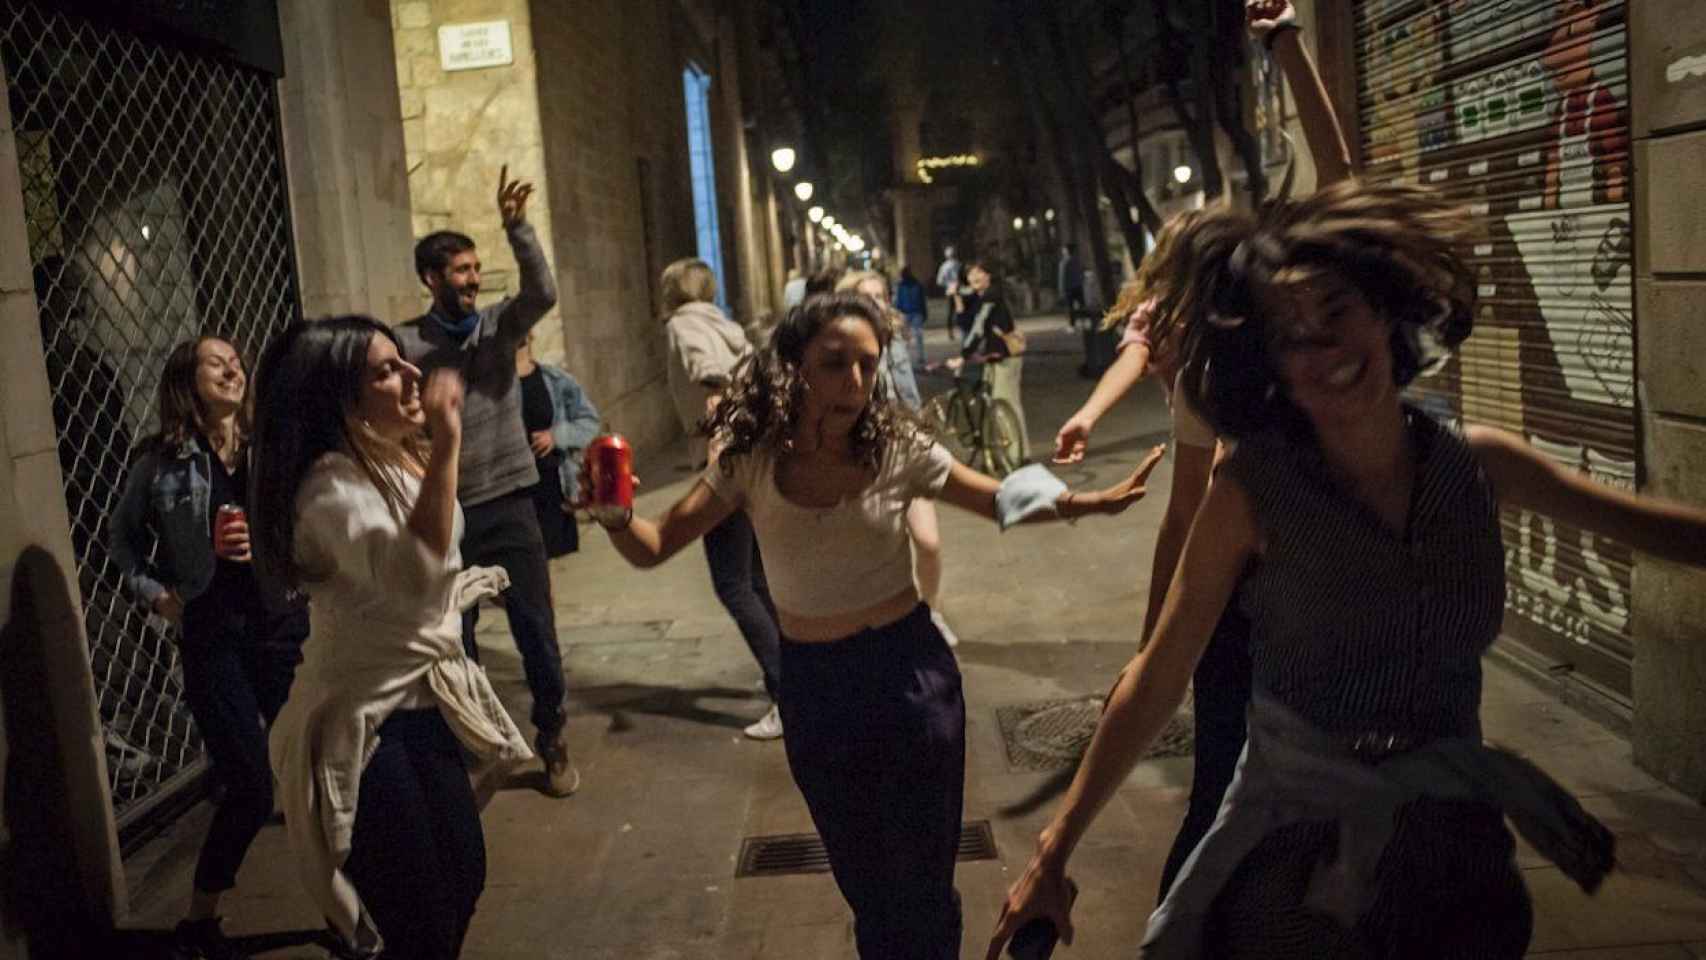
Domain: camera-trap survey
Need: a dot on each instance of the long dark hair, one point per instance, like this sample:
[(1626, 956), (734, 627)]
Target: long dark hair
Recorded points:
[(763, 404), (307, 384), (1400, 246), (182, 413)]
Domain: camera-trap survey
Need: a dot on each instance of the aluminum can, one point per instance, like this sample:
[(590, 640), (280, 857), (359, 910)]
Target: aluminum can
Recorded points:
[(610, 467), (227, 514)]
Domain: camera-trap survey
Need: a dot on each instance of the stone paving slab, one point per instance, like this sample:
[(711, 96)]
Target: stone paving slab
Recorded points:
[(640, 864)]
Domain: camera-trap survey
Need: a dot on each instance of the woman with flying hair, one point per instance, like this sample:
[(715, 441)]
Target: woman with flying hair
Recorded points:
[(356, 506), (1362, 537), (237, 646), (873, 719), (1148, 308)]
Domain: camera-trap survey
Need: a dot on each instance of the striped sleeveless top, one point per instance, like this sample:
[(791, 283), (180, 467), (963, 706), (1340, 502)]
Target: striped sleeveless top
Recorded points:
[(1358, 629)]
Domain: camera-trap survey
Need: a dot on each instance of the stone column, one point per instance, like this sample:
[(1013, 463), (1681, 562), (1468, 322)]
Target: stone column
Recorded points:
[(1668, 78), (343, 139)]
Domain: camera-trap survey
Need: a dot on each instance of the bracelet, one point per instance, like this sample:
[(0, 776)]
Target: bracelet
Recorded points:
[(1069, 498), (1284, 26), (627, 521)]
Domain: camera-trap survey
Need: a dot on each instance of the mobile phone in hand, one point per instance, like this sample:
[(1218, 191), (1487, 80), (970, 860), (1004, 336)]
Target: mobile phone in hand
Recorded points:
[(1037, 938)]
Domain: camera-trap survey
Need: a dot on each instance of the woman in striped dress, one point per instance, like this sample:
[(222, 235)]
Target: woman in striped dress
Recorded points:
[(1366, 820)]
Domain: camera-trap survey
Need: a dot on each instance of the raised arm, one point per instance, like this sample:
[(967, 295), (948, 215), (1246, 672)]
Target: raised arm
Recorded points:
[(1131, 364), (970, 490), (1147, 693), (647, 543), (433, 518), (1275, 22), (1527, 479), (538, 293)]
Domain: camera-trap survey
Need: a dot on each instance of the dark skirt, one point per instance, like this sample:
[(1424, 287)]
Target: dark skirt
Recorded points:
[(561, 535)]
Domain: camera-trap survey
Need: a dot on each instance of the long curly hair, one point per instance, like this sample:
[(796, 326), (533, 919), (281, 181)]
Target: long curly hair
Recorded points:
[(763, 405), (1400, 246)]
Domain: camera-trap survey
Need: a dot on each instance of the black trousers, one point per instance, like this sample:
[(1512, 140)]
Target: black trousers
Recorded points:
[(875, 730), (737, 574), (418, 855), (505, 533), (237, 672), (1222, 687)]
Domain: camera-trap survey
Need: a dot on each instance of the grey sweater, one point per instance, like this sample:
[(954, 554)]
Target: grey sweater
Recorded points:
[(495, 456)]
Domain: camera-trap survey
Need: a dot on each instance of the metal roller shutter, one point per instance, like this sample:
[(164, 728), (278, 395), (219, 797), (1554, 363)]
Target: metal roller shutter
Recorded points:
[(1520, 109)]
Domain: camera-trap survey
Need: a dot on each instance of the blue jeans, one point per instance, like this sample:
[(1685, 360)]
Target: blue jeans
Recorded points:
[(737, 575), (915, 333)]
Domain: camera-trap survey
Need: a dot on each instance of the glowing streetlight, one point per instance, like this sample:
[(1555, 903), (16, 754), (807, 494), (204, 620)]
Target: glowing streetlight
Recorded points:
[(1032, 223), (1182, 173), (1049, 214), (803, 190), (828, 222), (782, 158), (1018, 223), (815, 214)]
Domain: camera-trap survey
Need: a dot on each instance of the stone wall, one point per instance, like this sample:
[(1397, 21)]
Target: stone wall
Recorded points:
[(460, 129), (1668, 79)]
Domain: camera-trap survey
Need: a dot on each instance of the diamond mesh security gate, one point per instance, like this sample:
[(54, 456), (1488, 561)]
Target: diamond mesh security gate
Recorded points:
[(155, 202)]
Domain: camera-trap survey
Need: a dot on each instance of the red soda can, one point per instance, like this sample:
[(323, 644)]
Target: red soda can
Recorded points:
[(610, 467), (227, 514)]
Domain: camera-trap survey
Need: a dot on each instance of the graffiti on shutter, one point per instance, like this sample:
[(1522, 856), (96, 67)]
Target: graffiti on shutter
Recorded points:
[(1519, 109)]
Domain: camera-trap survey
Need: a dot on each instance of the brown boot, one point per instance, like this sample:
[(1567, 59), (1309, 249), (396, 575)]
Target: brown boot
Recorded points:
[(562, 778)]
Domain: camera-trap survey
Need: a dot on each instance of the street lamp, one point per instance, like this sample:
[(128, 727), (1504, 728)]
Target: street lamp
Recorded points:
[(1049, 214), (1182, 173), (803, 190), (1018, 223), (828, 222), (815, 214), (782, 158)]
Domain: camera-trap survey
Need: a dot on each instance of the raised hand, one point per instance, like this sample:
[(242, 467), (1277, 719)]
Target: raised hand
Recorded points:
[(442, 401), (1073, 439), (512, 198), (1265, 16)]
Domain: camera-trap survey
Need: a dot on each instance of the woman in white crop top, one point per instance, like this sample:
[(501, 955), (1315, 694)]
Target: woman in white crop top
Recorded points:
[(873, 718), (354, 508)]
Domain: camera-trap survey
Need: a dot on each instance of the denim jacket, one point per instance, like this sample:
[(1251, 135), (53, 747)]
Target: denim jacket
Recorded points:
[(574, 422), (166, 498)]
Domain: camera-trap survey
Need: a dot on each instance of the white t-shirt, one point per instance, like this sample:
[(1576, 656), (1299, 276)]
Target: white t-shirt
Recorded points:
[(827, 561)]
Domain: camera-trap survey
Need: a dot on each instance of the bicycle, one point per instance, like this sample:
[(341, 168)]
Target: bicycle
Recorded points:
[(981, 430)]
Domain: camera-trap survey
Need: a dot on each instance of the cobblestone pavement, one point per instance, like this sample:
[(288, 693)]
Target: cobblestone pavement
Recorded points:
[(640, 864)]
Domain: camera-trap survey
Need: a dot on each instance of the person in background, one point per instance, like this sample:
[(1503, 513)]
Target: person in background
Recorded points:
[(560, 421), (357, 507), (989, 340), (909, 300), (499, 471), (1069, 283), (237, 647), (897, 382), (794, 291), (705, 347), (948, 280), (874, 713)]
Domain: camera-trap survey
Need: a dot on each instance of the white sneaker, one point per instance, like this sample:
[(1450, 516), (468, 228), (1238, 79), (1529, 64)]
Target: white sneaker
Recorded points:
[(768, 727), (948, 633)]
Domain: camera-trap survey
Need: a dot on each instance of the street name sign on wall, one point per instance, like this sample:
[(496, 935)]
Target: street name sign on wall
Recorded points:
[(470, 46)]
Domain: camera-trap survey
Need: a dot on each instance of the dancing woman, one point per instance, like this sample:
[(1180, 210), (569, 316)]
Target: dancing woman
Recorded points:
[(873, 718), (357, 508), (1366, 818), (238, 650)]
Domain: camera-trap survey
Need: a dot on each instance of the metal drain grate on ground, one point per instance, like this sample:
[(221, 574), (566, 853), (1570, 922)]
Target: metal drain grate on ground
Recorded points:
[(789, 853), (1054, 733)]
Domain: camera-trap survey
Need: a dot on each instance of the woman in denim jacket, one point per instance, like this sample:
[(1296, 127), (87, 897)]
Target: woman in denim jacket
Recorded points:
[(560, 421), (239, 652)]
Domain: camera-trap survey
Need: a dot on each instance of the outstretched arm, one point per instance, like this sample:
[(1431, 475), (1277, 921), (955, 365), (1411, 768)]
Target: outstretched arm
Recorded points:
[(1149, 690), (973, 491), (647, 543), (1072, 441), (1192, 466), (1527, 479), (1275, 21)]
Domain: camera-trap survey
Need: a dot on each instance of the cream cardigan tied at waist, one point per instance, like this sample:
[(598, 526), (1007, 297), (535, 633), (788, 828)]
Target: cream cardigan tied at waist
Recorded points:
[(356, 672)]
